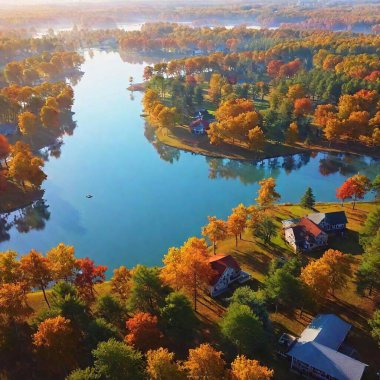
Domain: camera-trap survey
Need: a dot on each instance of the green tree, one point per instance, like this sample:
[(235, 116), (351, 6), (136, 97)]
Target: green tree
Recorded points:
[(110, 309), (265, 230), (83, 374), (283, 288), (255, 300), (375, 326), (147, 291), (115, 360), (376, 186), (308, 199), (368, 274), (243, 328), (371, 227), (178, 317)]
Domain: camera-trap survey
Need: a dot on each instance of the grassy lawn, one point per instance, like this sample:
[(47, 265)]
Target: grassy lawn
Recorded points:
[(255, 258)]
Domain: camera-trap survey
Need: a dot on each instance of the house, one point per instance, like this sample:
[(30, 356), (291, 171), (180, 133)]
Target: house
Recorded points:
[(201, 123), (315, 354), (199, 126), (330, 222), (203, 114), (304, 235), (227, 271), (311, 232)]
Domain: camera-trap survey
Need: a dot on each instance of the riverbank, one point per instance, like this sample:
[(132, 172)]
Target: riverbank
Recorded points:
[(180, 137), (255, 258), (14, 198), (137, 87)]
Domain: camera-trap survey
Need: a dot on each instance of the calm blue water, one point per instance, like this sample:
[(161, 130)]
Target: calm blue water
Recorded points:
[(147, 197)]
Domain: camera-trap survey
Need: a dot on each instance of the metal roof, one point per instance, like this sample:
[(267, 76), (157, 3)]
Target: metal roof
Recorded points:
[(326, 329), (334, 363), (318, 345)]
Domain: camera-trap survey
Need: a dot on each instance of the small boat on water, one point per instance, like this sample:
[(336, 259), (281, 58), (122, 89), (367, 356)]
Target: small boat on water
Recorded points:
[(89, 196)]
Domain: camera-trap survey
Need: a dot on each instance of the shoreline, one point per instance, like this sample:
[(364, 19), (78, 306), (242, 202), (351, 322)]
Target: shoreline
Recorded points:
[(14, 198), (180, 138)]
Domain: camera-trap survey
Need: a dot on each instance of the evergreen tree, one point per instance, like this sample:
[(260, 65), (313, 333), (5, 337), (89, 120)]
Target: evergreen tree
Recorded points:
[(308, 199)]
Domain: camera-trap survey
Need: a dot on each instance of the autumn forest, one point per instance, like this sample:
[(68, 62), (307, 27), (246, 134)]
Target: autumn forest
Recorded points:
[(190, 190)]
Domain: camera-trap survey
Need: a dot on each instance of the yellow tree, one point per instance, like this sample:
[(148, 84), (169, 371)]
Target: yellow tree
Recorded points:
[(243, 368), (256, 138), (49, 117), (24, 167), (204, 362), (316, 275), (167, 117), (56, 345), (35, 271), (62, 262), (329, 273), (339, 268), (9, 267), (376, 137), (215, 230), (27, 123), (236, 224), (160, 365), (13, 303), (150, 98), (267, 193), (196, 270), (172, 271), (121, 283), (292, 133), (215, 88), (296, 91), (188, 268), (334, 129)]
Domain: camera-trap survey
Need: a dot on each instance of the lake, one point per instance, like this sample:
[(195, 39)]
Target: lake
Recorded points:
[(147, 197)]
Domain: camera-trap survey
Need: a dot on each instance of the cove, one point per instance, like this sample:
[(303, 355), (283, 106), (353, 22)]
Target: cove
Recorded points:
[(147, 197)]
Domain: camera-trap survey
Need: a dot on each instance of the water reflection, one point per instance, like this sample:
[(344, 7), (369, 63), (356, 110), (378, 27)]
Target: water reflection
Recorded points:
[(348, 165), (165, 152), (33, 217)]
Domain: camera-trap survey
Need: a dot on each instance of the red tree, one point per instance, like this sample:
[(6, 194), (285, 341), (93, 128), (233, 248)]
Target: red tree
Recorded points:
[(355, 187), (143, 331), (302, 107), (273, 68), (87, 276)]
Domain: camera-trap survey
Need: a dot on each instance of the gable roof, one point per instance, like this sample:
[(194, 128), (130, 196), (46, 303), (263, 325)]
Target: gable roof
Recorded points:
[(334, 363), (310, 227), (316, 217), (326, 329), (335, 217), (219, 263), (318, 345)]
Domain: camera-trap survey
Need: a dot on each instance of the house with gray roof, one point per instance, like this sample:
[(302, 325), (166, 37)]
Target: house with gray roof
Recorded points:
[(330, 222), (311, 232), (316, 354)]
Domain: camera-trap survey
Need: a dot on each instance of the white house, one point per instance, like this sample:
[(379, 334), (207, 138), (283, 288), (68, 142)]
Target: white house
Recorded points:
[(227, 271)]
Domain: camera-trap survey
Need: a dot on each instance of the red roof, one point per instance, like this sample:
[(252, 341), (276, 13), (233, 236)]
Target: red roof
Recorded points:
[(219, 263), (310, 227), (200, 122)]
